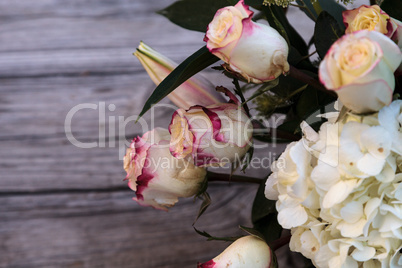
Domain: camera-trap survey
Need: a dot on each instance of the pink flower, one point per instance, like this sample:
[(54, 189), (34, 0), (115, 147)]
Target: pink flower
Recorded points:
[(158, 178), (196, 90), (212, 135), (360, 68), (245, 252), (255, 51)]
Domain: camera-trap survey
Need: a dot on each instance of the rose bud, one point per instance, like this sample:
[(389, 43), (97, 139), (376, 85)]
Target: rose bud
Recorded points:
[(372, 18), (255, 51), (211, 136), (360, 68), (245, 252), (196, 90), (158, 178)]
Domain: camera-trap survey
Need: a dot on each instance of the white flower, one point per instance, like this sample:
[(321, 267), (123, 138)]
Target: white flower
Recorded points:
[(390, 118), (363, 149), (253, 50), (360, 68), (158, 178), (340, 192), (289, 184), (212, 135), (245, 252)]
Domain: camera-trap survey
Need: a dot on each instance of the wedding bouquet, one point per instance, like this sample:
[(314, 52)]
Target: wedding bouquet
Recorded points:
[(337, 186)]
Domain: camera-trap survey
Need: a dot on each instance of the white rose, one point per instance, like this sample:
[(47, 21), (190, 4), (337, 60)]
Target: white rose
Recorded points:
[(155, 175), (255, 51), (245, 252), (360, 68), (212, 135)]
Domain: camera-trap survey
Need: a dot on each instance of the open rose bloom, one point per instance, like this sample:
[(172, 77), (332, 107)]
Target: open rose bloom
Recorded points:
[(158, 178), (372, 18), (340, 193), (360, 68), (255, 51)]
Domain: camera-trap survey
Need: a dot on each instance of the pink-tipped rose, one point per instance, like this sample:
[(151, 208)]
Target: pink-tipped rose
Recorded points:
[(255, 51), (360, 68), (158, 178), (245, 252), (212, 135), (372, 18)]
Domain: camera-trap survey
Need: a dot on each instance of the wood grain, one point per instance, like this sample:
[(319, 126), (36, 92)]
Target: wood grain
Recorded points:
[(64, 206)]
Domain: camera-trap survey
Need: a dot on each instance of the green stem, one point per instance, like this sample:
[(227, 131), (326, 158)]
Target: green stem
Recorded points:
[(240, 94), (308, 56), (279, 134), (299, 75), (309, 11), (212, 176), (280, 242), (317, 6)]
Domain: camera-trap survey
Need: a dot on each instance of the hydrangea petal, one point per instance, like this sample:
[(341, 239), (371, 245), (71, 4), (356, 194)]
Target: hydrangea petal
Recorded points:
[(292, 216), (338, 193)]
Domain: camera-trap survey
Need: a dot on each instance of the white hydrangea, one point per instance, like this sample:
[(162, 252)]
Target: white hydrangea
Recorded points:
[(340, 192)]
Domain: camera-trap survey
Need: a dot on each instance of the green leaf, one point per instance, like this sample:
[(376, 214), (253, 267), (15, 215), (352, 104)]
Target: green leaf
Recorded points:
[(274, 263), (210, 237), (269, 227), (264, 88), (291, 126), (308, 9), (393, 8), (261, 205), (287, 85), (264, 216), (206, 201), (270, 139), (331, 6), (342, 114), (274, 22), (308, 263), (247, 159), (277, 19), (311, 101), (252, 231), (190, 66), (300, 61), (326, 32), (254, 3), (193, 14), (203, 187)]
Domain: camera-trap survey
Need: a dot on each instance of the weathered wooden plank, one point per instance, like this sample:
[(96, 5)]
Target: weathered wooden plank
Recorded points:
[(36, 153), (54, 31), (64, 206), (111, 230), (81, 8)]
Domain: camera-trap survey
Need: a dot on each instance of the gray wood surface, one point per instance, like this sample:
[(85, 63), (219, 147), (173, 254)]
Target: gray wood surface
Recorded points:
[(63, 206)]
